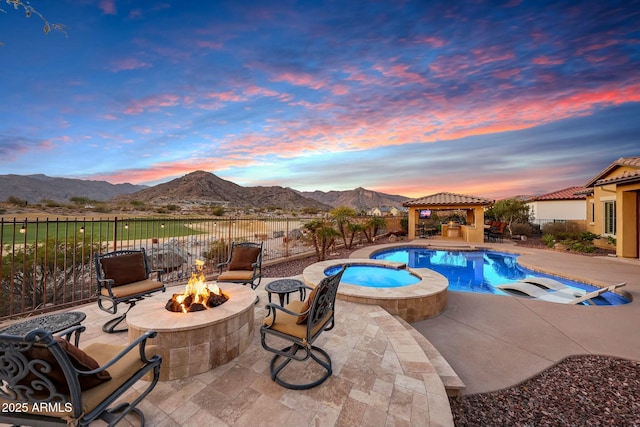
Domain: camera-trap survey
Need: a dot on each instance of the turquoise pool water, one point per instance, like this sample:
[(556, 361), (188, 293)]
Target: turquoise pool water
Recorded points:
[(374, 276), (480, 271)]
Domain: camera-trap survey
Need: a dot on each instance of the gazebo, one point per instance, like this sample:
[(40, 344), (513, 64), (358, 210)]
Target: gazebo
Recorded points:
[(473, 206)]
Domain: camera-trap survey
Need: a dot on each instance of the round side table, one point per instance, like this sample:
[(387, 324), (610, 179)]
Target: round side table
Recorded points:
[(285, 287)]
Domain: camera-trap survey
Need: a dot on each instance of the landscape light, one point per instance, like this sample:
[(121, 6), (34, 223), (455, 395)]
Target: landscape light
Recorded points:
[(23, 229), (82, 229)]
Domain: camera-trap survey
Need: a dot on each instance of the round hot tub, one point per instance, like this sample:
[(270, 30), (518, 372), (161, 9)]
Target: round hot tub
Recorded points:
[(411, 293)]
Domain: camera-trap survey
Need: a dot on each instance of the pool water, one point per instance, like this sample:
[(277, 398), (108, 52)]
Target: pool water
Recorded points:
[(374, 276), (480, 271)]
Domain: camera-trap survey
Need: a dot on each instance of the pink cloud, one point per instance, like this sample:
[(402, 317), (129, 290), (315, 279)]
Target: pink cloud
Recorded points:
[(108, 7), (163, 171), (490, 55), (546, 60), (209, 44), (433, 41), (152, 103), (128, 64), (300, 79), (402, 73), (339, 89)]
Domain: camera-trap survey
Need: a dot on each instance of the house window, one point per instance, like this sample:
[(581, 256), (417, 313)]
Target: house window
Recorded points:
[(593, 212), (610, 217)]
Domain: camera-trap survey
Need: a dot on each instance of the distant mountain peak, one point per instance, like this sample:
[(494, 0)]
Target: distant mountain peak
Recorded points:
[(37, 187), (197, 187)]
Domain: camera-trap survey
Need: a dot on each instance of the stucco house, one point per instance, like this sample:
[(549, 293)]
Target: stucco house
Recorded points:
[(565, 204), (386, 211), (613, 206)]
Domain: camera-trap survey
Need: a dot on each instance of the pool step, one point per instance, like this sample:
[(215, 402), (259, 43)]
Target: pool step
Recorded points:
[(452, 383)]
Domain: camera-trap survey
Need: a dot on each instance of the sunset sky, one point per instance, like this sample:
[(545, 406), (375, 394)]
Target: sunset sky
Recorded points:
[(489, 98)]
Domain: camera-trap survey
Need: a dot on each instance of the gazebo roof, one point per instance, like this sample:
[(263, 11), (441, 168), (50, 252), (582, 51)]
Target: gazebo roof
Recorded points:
[(448, 199)]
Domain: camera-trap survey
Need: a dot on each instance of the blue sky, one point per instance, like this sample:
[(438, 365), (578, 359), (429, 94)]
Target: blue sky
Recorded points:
[(490, 98)]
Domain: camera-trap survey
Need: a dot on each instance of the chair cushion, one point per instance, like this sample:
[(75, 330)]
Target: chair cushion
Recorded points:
[(302, 319), (236, 275), (243, 258), (124, 269), (121, 371), (79, 359), (287, 323), (135, 288)]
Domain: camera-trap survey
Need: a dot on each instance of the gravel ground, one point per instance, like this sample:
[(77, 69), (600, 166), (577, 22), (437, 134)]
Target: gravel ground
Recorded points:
[(579, 391)]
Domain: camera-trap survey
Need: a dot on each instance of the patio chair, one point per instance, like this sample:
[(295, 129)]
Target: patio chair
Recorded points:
[(244, 264), (48, 381), (124, 277), (301, 323), (496, 231)]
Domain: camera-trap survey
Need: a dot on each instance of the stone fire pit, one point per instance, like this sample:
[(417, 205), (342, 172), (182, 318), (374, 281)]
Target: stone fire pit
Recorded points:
[(196, 342)]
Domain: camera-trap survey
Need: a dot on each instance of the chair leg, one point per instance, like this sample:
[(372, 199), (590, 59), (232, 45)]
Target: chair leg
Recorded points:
[(314, 352), (110, 326)]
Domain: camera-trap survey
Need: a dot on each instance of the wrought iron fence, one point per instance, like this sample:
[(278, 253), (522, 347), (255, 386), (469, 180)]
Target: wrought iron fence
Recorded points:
[(48, 264)]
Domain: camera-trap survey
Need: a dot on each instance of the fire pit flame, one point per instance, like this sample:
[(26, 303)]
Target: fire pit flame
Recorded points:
[(197, 295)]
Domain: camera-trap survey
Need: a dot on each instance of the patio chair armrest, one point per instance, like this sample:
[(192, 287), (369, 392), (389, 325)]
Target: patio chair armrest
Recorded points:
[(273, 307), (159, 273), (66, 334), (139, 342), (106, 282)]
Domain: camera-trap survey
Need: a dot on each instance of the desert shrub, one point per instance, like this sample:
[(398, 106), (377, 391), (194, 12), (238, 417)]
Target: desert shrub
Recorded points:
[(582, 247), (519, 229), (13, 200), (578, 241), (564, 226), (566, 235), (102, 209), (587, 236), (50, 203), (217, 252), (548, 240)]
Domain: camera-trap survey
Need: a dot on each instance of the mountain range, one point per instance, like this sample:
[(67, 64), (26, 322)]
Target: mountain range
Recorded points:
[(195, 188), (36, 188)]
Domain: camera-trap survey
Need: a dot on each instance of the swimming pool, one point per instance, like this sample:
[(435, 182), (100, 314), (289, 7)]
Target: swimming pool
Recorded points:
[(480, 271)]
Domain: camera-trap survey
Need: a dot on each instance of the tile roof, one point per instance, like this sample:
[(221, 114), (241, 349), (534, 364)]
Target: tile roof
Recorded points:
[(571, 193), (626, 176), (633, 162), (450, 199)]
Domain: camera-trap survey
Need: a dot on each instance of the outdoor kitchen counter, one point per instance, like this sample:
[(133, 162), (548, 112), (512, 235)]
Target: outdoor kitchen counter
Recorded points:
[(194, 343)]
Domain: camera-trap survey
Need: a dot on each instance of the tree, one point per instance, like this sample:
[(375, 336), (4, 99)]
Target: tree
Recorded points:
[(30, 11), (344, 219), (371, 227), (323, 235), (509, 211)]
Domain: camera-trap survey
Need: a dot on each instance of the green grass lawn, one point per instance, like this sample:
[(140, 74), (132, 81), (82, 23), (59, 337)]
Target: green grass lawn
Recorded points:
[(97, 230)]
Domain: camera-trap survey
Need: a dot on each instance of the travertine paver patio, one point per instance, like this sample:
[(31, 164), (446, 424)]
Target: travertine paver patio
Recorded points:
[(381, 376)]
